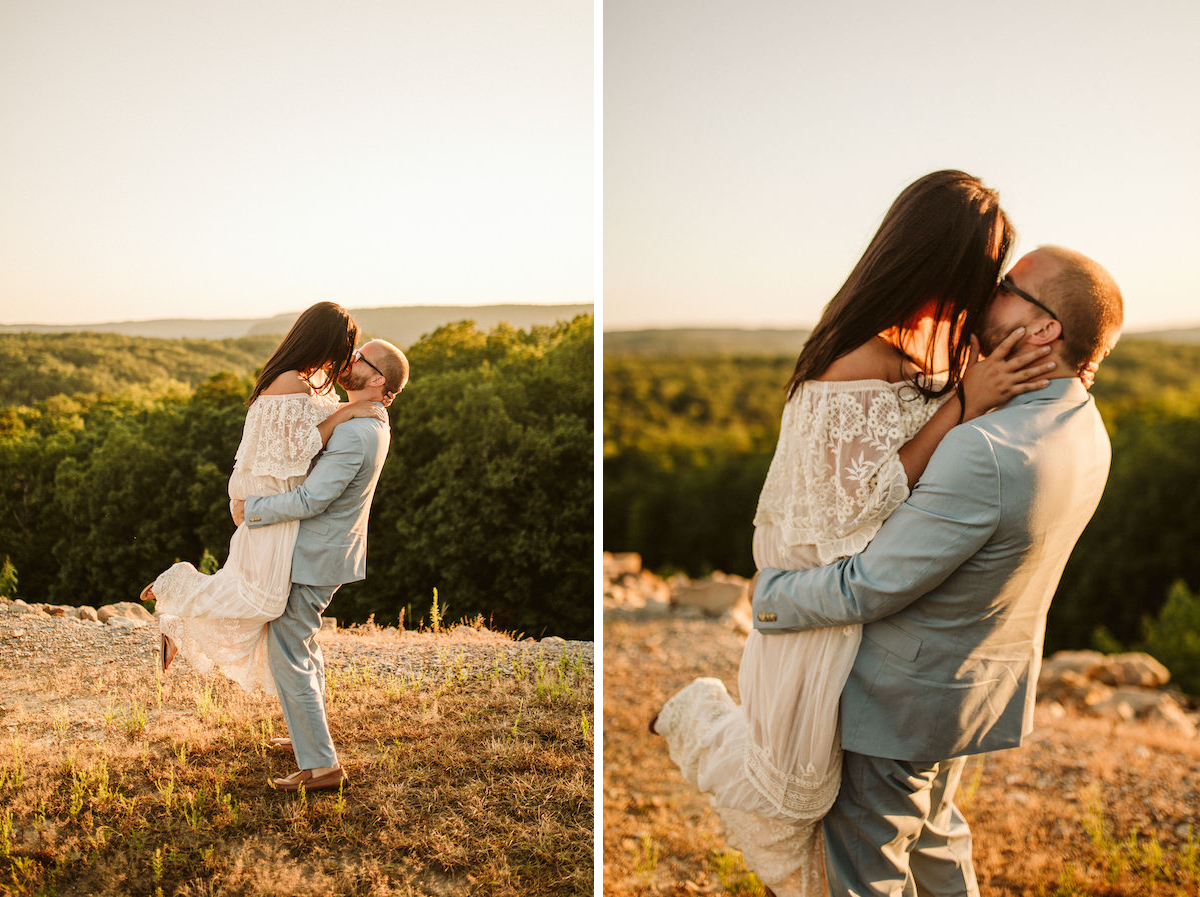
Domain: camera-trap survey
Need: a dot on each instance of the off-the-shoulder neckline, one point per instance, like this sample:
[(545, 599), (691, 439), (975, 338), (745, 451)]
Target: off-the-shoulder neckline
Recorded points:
[(871, 381)]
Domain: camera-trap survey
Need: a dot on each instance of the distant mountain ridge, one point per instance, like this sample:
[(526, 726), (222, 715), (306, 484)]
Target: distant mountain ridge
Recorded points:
[(723, 341), (403, 324), (765, 341), (1175, 335)]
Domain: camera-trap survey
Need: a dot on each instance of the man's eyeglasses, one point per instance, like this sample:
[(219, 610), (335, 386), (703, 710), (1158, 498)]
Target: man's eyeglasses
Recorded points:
[(358, 356), (1007, 284)]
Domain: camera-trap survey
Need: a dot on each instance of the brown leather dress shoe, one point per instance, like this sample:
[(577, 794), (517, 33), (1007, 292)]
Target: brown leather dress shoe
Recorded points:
[(330, 781), (283, 744), (167, 654)]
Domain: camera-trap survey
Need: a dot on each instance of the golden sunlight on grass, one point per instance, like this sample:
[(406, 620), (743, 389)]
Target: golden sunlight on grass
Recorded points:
[(468, 775), (1086, 808)]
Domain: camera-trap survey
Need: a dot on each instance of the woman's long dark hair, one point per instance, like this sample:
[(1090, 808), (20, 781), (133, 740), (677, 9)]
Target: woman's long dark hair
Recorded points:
[(323, 336), (945, 240)]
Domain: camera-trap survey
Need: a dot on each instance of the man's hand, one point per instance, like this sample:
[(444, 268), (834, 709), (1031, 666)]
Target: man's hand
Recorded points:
[(237, 509)]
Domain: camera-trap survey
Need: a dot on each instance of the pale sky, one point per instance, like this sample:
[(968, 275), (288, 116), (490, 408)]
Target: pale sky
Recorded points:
[(223, 158), (751, 149)]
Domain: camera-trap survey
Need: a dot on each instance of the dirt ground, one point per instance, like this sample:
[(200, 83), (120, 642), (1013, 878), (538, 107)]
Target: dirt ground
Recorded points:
[(1085, 807)]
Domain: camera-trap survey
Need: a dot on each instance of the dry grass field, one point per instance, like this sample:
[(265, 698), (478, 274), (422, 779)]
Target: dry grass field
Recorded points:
[(1086, 807), (471, 773)]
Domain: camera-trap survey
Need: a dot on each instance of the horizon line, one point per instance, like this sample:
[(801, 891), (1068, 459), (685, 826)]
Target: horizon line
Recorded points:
[(642, 328), (285, 313)]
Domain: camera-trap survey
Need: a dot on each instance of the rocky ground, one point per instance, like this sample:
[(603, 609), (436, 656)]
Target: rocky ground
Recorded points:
[(1103, 799), (40, 642)]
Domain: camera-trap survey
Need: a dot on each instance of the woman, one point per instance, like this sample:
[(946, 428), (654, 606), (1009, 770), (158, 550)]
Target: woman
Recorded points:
[(220, 620), (887, 371)]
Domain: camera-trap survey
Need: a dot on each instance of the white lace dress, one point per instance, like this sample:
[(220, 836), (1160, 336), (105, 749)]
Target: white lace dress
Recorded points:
[(221, 620), (773, 764)]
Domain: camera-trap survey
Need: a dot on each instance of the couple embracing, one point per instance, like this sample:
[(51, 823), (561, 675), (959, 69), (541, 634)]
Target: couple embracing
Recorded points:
[(300, 493), (938, 458)]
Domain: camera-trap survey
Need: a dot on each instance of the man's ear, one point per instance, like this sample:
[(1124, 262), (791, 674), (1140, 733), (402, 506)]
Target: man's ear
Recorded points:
[(1044, 333)]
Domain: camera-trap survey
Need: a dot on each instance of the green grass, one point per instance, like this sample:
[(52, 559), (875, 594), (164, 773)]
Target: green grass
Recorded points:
[(474, 779)]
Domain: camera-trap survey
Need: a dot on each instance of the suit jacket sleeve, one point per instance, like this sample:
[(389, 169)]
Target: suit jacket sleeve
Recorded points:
[(335, 467), (949, 516)]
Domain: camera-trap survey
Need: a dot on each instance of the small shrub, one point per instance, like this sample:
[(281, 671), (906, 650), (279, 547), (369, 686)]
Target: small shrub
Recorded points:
[(1173, 637), (208, 563), (8, 579)]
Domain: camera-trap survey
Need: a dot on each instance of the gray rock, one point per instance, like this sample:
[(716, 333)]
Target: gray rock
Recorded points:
[(741, 615), (554, 640), (1148, 705), (87, 613), (1170, 714), (1081, 662), (1134, 669), (131, 610), (712, 597), (20, 607), (125, 623), (622, 563)]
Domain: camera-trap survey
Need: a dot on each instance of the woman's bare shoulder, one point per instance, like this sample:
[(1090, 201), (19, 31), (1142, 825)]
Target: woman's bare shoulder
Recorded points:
[(286, 384), (873, 360)]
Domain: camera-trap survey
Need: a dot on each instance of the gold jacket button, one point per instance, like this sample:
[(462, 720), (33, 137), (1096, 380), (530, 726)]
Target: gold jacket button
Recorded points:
[(767, 618), (255, 519)]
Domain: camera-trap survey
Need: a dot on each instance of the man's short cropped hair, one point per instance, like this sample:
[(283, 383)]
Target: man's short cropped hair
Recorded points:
[(392, 363), (1088, 303)]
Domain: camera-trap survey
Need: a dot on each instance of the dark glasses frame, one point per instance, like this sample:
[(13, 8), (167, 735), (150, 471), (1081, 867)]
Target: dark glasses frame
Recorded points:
[(358, 356), (1007, 284)]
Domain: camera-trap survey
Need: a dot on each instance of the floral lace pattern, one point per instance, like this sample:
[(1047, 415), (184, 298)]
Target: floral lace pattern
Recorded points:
[(235, 646), (772, 765), (807, 794), (220, 621), (789, 859), (704, 729), (280, 437), (836, 474), (688, 718)]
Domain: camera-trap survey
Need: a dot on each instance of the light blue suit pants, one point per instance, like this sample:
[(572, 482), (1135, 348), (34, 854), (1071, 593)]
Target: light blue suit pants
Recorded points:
[(299, 670), (894, 831)]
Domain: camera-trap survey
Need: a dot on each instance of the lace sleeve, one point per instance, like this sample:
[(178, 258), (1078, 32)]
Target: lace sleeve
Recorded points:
[(836, 474), (280, 438)]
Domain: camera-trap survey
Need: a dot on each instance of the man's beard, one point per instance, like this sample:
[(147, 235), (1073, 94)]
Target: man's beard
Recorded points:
[(351, 383), (989, 338)]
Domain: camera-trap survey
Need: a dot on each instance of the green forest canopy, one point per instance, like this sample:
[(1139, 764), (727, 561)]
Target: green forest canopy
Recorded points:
[(687, 442), (487, 494), (40, 365)]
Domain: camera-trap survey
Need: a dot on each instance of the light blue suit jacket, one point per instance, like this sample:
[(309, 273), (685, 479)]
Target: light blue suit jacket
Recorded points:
[(954, 588), (332, 505)]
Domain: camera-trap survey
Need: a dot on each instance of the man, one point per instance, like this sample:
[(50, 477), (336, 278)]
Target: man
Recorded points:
[(332, 506), (954, 590)]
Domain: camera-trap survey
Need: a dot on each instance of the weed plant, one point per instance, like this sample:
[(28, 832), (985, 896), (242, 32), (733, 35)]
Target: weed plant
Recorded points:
[(1086, 808), (475, 779)]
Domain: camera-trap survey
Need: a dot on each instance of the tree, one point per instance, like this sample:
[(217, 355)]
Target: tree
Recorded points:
[(487, 494), (1173, 637), (1143, 534), (8, 579)]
